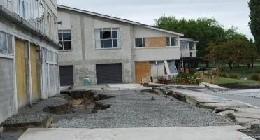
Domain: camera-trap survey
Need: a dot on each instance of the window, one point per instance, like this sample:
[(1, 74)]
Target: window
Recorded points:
[(6, 44), (107, 37), (65, 39), (140, 42), (171, 41), (184, 45)]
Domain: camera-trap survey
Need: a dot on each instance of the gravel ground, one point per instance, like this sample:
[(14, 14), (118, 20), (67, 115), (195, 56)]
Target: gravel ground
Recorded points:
[(141, 109)]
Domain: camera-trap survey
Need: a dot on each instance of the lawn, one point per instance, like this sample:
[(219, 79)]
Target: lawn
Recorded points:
[(221, 81)]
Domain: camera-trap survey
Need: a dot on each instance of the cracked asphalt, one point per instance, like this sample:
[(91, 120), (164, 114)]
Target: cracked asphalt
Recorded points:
[(131, 108)]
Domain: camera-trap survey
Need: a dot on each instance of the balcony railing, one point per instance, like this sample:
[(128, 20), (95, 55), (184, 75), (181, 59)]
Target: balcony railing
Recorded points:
[(189, 53)]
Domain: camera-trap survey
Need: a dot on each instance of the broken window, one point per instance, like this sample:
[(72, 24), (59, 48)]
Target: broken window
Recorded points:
[(140, 42), (6, 43), (65, 39), (107, 37), (171, 41)]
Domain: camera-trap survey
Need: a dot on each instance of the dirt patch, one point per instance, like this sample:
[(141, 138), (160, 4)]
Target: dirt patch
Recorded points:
[(79, 101)]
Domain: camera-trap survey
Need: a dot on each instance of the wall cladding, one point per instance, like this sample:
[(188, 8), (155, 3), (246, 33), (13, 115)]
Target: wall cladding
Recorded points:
[(7, 96)]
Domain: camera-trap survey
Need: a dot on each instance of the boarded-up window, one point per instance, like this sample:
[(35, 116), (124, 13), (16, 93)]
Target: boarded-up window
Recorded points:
[(155, 42)]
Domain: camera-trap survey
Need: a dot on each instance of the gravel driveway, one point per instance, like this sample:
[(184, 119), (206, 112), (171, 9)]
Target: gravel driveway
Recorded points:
[(131, 108)]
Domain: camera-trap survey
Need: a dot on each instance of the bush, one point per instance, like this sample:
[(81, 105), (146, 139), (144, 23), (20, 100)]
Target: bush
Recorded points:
[(184, 78), (255, 77), (234, 76)]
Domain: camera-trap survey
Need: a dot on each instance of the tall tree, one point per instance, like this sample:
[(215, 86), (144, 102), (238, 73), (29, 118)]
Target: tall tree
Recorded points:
[(254, 6)]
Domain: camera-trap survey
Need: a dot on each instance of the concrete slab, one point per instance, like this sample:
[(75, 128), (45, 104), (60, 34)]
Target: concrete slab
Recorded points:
[(226, 104), (181, 133), (208, 101), (92, 87), (127, 87), (205, 84)]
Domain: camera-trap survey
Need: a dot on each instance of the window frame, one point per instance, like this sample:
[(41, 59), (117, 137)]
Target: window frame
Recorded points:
[(62, 41), (8, 46), (97, 32), (143, 42), (171, 38)]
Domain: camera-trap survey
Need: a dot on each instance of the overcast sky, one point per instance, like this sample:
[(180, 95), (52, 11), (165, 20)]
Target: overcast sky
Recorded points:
[(227, 12)]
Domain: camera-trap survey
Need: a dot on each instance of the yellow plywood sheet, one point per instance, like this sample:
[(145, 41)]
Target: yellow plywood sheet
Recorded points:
[(20, 64), (35, 73), (142, 72), (155, 42)]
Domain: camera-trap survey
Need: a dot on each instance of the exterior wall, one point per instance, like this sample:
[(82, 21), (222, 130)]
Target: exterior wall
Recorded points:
[(21, 29), (155, 46), (84, 55), (157, 54), (7, 88)]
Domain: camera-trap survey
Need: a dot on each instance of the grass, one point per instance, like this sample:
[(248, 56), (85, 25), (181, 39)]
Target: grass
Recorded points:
[(222, 81), (242, 71)]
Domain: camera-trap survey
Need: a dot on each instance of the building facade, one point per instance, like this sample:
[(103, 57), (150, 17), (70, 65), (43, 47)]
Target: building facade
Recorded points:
[(188, 47), (28, 53), (107, 49)]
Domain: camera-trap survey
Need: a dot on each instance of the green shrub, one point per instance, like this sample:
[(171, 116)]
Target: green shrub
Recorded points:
[(184, 78), (255, 77)]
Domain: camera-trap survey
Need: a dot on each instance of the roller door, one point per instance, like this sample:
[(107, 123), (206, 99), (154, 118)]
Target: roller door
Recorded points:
[(66, 75), (109, 73)]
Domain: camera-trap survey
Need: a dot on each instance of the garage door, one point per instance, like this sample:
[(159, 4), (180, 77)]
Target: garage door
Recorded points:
[(66, 75), (109, 73)]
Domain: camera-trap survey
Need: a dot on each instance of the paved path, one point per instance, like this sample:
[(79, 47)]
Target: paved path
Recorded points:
[(166, 133), (251, 96)]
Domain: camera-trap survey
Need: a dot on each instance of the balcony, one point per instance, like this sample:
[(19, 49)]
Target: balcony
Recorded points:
[(189, 53), (157, 54)]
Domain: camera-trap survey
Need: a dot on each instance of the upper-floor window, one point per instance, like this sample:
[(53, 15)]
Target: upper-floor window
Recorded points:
[(6, 46), (140, 42), (171, 41), (107, 37), (65, 39)]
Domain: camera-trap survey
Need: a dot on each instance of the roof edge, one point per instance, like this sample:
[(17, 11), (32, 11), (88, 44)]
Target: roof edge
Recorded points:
[(117, 19)]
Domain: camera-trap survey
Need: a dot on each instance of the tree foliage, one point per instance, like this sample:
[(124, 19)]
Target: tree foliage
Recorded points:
[(205, 30), (216, 44), (234, 51), (254, 6)]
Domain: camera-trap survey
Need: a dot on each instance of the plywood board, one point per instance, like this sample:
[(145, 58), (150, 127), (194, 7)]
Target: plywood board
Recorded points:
[(35, 73), (21, 81), (155, 42), (142, 72)]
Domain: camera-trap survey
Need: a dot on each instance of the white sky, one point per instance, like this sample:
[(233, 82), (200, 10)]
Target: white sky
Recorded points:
[(227, 12)]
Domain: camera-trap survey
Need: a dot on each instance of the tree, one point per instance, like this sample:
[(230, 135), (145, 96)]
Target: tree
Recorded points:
[(236, 50), (254, 6), (205, 30)]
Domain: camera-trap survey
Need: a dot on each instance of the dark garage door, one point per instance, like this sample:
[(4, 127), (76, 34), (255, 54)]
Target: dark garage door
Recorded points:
[(109, 73), (66, 75)]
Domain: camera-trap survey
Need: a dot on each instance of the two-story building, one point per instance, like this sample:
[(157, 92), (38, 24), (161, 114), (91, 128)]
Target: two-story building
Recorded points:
[(107, 49), (28, 53)]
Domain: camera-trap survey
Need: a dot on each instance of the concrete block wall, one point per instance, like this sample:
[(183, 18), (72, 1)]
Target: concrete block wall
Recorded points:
[(7, 87)]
